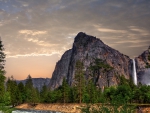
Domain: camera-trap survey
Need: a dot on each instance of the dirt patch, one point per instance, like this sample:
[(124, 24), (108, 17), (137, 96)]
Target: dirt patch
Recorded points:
[(145, 110), (72, 107), (66, 108)]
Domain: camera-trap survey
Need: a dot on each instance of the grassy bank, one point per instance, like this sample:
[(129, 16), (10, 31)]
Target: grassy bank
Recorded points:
[(6, 109)]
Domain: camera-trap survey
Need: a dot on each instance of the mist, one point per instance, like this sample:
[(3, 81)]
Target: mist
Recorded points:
[(146, 77)]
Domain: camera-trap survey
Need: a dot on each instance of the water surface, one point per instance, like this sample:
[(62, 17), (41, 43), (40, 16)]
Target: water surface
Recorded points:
[(33, 111)]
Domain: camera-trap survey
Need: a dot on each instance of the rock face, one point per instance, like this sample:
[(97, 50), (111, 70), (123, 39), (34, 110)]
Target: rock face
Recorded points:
[(87, 48), (37, 82), (61, 69), (143, 67)]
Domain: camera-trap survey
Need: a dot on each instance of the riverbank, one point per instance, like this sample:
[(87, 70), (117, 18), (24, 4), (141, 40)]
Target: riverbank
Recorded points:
[(6, 109), (67, 108), (72, 107)]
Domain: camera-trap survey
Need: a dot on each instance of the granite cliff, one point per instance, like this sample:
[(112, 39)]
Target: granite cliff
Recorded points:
[(87, 48), (37, 82), (143, 67)]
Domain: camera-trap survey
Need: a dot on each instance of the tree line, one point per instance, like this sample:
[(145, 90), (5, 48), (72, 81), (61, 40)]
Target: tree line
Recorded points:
[(82, 90)]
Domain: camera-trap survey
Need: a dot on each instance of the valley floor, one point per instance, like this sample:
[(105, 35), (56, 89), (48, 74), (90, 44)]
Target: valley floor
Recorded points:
[(72, 107), (67, 108)]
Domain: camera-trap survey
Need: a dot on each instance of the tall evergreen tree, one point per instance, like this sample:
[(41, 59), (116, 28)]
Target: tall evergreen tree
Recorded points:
[(28, 88), (2, 71), (13, 91), (31, 92), (100, 66), (22, 92), (2, 57), (2, 88), (65, 90), (72, 94), (38, 95), (92, 88), (29, 83), (79, 80), (43, 93), (34, 96)]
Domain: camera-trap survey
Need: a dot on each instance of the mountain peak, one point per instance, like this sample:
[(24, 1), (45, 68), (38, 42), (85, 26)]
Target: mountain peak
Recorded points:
[(82, 35), (84, 40), (86, 48)]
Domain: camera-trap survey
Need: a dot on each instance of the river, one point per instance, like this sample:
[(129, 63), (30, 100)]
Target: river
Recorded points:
[(33, 111)]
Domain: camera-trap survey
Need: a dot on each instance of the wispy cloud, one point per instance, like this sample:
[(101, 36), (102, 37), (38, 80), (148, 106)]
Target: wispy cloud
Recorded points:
[(41, 43), (45, 27), (136, 46), (32, 32), (33, 54), (131, 41), (141, 31), (111, 30), (29, 26)]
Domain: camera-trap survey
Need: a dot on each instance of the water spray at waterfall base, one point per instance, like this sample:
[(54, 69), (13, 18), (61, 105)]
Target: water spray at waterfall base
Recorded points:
[(145, 78), (134, 73)]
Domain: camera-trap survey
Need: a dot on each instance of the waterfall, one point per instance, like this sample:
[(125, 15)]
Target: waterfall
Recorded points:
[(134, 73)]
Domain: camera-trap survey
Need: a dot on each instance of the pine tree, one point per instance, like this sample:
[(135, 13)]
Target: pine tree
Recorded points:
[(2, 71), (2, 88), (79, 80), (29, 88), (18, 95), (31, 92), (72, 94), (34, 96), (44, 93), (92, 88), (100, 66), (2, 57), (65, 90), (38, 94), (29, 83), (22, 92), (12, 89)]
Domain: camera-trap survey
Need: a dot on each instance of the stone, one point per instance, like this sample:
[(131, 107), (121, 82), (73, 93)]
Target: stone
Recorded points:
[(142, 66), (37, 82), (86, 48)]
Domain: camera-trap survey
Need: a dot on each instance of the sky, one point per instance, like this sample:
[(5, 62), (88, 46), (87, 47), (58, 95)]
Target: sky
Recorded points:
[(36, 33)]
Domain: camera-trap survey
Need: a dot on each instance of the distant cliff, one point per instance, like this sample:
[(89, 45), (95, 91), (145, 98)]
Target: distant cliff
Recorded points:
[(143, 67), (37, 82), (61, 70), (87, 48)]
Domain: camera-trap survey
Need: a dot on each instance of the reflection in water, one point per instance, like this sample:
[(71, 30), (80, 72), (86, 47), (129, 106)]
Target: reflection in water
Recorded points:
[(33, 111)]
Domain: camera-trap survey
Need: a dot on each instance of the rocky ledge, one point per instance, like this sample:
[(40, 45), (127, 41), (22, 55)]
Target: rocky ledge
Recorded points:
[(87, 48)]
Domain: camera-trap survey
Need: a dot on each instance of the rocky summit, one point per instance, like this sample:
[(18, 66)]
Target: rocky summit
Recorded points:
[(87, 49)]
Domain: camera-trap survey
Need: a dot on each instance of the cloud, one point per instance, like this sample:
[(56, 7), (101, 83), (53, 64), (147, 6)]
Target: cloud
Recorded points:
[(48, 26), (25, 5), (32, 28), (137, 46), (33, 54), (1, 24), (141, 31), (131, 41), (111, 30), (41, 43), (31, 32)]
